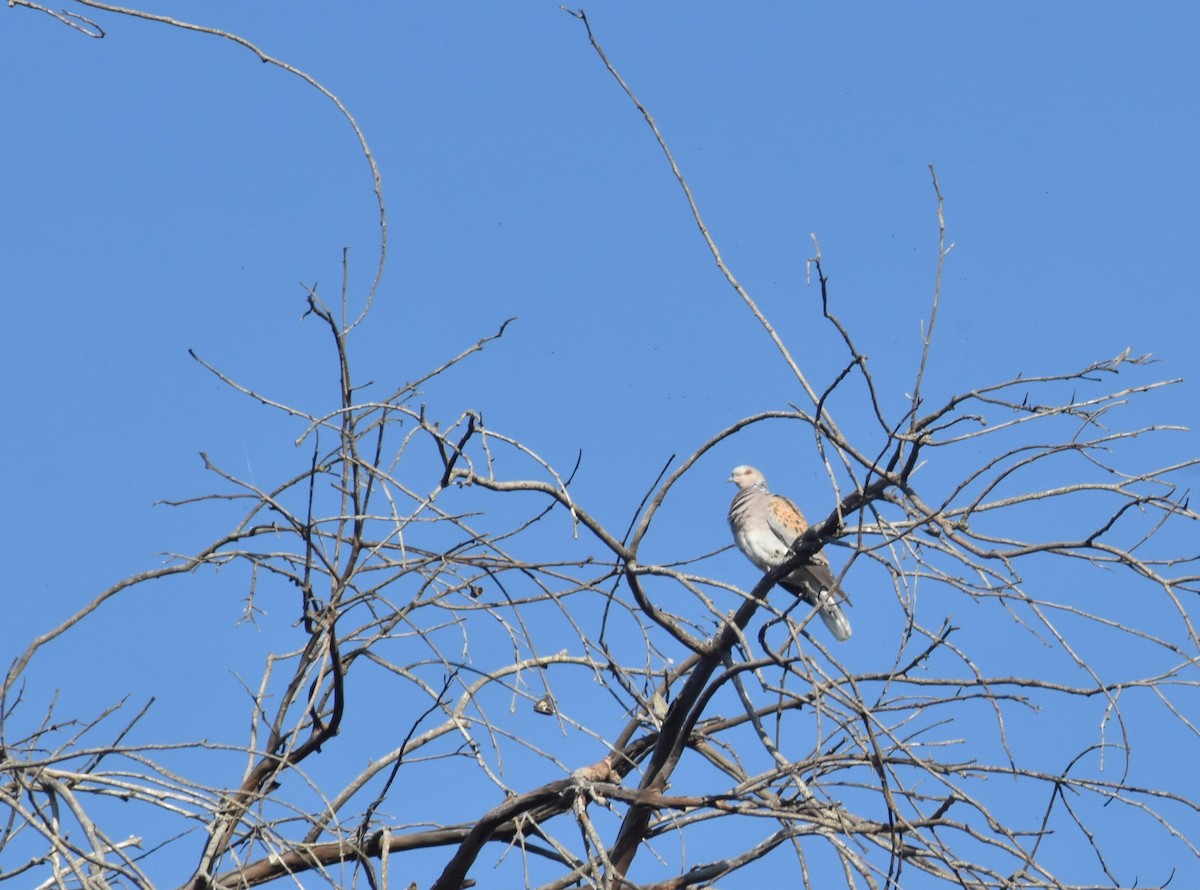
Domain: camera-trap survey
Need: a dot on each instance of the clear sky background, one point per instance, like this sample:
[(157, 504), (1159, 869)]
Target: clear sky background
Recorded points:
[(165, 191)]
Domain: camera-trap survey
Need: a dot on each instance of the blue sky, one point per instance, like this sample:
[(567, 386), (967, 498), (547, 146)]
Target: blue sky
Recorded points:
[(165, 191)]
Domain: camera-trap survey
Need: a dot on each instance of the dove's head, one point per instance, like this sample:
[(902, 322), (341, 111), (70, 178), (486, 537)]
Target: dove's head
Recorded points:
[(745, 477)]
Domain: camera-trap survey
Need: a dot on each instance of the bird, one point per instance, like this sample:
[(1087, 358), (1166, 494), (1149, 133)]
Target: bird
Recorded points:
[(765, 526)]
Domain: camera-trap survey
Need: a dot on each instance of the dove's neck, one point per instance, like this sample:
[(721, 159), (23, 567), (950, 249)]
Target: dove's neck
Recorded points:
[(744, 501)]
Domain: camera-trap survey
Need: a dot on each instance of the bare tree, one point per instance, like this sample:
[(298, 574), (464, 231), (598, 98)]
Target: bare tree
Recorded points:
[(481, 604)]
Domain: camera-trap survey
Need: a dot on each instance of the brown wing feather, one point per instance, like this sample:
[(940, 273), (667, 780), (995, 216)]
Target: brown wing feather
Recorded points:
[(785, 519)]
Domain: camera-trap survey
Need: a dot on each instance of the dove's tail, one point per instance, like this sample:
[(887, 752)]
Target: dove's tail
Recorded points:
[(827, 607), (835, 619)]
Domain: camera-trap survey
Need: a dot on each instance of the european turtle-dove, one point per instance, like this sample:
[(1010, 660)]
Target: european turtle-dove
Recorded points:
[(765, 526)]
